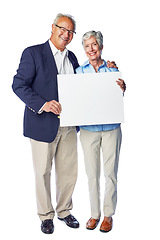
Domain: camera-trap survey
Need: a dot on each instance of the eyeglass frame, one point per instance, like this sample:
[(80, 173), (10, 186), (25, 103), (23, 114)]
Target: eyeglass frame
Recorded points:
[(65, 29)]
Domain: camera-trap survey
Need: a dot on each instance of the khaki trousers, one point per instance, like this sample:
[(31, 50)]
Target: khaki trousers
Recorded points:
[(109, 142), (64, 151)]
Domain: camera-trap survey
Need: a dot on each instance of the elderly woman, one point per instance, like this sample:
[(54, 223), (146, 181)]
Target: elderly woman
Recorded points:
[(96, 137)]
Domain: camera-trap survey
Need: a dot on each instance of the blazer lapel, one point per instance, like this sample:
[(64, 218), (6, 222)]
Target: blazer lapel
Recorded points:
[(73, 60), (49, 59)]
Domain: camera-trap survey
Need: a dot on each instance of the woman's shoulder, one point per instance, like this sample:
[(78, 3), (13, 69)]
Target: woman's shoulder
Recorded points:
[(82, 67), (79, 70)]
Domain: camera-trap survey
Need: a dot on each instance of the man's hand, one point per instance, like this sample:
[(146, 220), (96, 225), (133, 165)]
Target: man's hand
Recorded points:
[(111, 64), (122, 84), (53, 106)]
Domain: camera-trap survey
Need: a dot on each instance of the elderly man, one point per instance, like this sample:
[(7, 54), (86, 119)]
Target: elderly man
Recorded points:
[(36, 85)]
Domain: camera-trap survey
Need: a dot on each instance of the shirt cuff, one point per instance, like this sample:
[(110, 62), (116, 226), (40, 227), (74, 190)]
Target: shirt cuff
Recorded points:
[(41, 109)]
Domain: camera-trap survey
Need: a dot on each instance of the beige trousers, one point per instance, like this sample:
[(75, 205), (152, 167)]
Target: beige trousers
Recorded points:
[(64, 151), (109, 142)]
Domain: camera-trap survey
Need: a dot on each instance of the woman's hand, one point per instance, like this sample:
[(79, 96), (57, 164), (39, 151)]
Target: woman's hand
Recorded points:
[(111, 64), (122, 84)]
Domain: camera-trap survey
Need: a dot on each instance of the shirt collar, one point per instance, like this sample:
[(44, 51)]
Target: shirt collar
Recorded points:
[(55, 50), (87, 63)]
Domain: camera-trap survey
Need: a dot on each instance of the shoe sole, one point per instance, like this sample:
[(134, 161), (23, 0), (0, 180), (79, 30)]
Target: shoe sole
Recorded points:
[(49, 232), (91, 228), (105, 231)]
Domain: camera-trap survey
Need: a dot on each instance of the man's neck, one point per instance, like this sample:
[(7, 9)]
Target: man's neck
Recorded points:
[(60, 49)]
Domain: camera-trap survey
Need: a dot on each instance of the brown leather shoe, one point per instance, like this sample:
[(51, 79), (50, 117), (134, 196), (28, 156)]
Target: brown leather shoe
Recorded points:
[(92, 223), (106, 226)]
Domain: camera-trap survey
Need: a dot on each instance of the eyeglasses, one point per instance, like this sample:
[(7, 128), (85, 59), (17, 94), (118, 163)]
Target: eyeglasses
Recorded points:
[(63, 29)]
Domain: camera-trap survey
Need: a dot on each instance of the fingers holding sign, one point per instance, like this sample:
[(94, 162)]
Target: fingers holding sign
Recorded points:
[(122, 84)]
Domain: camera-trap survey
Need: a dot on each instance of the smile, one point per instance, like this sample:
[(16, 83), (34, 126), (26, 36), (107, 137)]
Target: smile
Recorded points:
[(92, 54), (64, 39)]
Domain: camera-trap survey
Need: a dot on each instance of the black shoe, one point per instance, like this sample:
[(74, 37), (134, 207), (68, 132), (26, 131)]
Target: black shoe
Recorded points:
[(70, 221), (47, 226)]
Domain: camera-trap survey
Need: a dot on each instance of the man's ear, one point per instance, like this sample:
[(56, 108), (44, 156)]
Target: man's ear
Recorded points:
[(53, 28)]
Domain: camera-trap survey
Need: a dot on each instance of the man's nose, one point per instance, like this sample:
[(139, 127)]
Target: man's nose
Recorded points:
[(66, 34)]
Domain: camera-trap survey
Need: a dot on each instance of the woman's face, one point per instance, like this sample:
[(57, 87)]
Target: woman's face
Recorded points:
[(92, 49)]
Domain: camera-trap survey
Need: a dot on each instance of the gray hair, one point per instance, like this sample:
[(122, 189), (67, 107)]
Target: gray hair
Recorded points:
[(97, 35), (59, 15)]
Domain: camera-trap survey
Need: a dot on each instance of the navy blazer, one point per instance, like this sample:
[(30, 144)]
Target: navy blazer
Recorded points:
[(36, 83)]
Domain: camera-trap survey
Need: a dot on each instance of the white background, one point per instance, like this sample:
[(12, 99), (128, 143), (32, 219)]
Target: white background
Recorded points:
[(131, 38)]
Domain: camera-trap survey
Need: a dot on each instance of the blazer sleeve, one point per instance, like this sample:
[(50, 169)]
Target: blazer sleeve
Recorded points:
[(23, 80)]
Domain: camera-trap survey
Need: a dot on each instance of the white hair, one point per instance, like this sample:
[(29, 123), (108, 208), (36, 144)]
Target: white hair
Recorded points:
[(59, 15), (97, 35)]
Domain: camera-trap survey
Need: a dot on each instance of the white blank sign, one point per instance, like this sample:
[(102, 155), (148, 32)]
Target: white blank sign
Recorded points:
[(90, 99)]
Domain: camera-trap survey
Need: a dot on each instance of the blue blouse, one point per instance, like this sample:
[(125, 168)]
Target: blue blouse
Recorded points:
[(88, 68)]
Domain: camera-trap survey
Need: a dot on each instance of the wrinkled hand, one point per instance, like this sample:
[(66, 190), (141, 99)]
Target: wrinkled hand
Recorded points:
[(53, 106), (122, 84), (111, 64)]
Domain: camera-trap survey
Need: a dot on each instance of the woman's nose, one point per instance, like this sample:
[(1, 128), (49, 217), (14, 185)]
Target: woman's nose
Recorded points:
[(91, 48)]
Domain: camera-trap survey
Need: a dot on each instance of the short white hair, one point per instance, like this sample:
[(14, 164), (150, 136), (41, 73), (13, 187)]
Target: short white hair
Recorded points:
[(97, 35), (59, 15)]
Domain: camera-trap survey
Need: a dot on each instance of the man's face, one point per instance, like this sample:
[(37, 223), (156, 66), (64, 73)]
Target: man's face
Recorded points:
[(60, 37)]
